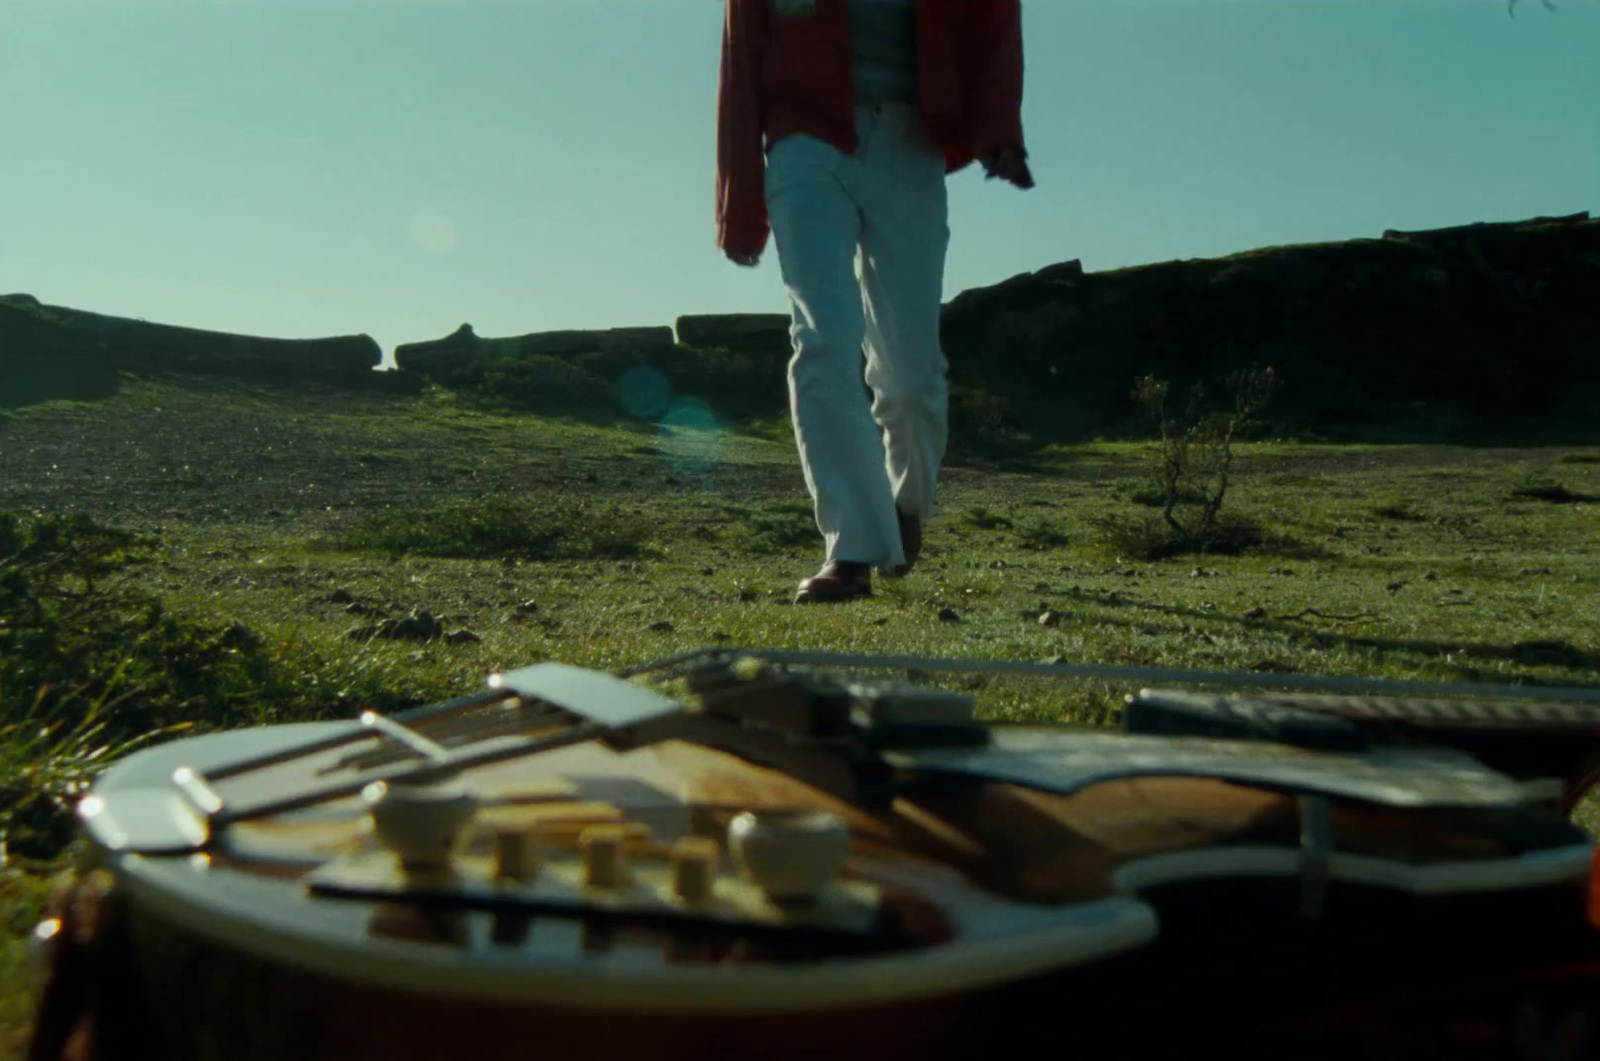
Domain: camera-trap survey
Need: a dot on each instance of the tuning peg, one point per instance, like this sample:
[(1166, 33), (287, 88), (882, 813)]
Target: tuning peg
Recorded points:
[(694, 868), (604, 856), (516, 855)]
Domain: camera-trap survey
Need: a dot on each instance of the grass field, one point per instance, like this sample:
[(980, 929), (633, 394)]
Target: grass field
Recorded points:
[(284, 527)]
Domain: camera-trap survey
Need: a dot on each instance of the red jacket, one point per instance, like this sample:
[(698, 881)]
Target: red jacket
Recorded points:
[(785, 74)]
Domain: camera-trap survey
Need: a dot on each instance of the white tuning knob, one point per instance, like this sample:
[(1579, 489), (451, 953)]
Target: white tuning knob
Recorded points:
[(790, 856), (419, 823)]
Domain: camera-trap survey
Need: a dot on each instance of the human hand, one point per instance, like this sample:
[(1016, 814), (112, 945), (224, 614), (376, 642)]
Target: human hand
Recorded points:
[(747, 259), (1009, 164)]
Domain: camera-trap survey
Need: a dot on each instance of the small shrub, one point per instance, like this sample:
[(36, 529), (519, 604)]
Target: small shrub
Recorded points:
[(497, 528), (1192, 467)]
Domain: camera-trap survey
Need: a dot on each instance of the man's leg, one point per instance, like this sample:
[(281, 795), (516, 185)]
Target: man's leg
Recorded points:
[(905, 234), (816, 225)]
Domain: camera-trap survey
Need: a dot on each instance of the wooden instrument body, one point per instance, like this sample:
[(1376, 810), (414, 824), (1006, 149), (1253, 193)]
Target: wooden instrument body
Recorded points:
[(1209, 889)]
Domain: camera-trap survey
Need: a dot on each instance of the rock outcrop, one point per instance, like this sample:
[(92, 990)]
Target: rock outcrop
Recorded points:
[(746, 333), (1481, 323), (463, 346), (31, 331), (1443, 333)]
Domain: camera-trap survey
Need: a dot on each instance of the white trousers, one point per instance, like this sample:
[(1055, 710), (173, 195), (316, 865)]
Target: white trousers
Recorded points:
[(861, 242)]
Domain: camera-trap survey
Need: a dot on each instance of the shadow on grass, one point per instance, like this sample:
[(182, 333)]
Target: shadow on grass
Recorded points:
[(495, 528), (1551, 492), (1153, 538), (1550, 653)]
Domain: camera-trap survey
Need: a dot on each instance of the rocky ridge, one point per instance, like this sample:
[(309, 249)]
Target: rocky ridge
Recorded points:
[(1468, 325)]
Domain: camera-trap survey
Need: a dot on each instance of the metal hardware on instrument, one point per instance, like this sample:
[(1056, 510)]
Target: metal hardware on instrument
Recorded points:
[(419, 823), (791, 857)]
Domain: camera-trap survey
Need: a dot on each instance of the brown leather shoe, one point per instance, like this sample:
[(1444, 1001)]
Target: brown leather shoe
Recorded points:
[(910, 544), (839, 580)]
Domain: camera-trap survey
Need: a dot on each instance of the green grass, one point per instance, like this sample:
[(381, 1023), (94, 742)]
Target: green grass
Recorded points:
[(276, 521), (497, 528)]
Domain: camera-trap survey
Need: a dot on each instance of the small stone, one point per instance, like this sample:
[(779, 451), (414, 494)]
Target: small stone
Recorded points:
[(1056, 661), (1394, 587), (748, 595), (661, 626), (527, 607), (418, 626), (341, 596), (463, 637), (1429, 576), (949, 615), (1257, 612), (707, 572), (357, 608), (1049, 618)]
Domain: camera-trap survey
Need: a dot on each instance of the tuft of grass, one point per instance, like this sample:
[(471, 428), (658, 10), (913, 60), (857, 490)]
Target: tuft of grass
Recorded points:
[(92, 666), (497, 528), (1399, 510), (1040, 533), (778, 528), (50, 749), (980, 517)]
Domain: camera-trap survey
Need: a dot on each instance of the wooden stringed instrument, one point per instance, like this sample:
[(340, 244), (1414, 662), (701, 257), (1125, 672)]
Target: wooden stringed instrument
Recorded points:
[(727, 858)]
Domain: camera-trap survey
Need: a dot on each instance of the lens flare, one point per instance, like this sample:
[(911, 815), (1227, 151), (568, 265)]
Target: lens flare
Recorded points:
[(690, 437)]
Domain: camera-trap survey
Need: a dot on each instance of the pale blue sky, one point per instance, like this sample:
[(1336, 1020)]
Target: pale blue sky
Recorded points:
[(315, 168)]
